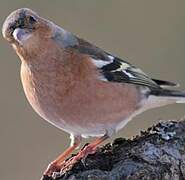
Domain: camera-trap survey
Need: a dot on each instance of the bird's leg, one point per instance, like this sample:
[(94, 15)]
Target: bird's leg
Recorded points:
[(89, 149), (56, 164)]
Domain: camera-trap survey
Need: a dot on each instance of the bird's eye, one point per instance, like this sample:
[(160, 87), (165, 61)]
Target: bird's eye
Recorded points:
[(31, 20)]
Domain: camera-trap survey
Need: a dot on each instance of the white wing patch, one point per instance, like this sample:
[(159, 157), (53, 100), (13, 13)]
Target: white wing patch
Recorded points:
[(122, 67), (100, 63), (128, 74), (111, 57)]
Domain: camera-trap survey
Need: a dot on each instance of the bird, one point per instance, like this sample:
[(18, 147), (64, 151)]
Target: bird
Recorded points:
[(77, 86)]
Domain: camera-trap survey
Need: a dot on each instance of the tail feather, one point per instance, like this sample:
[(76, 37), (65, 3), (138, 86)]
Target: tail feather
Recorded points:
[(163, 83), (178, 96)]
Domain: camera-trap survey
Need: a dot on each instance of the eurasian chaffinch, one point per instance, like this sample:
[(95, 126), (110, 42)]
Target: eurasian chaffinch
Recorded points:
[(77, 86)]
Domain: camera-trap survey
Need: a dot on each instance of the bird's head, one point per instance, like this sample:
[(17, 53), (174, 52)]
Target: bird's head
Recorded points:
[(28, 32), (24, 25)]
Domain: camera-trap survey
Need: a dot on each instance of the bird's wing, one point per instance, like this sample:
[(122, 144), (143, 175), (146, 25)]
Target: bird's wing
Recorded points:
[(113, 68)]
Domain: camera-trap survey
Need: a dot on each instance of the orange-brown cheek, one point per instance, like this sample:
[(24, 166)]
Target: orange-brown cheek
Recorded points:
[(29, 48)]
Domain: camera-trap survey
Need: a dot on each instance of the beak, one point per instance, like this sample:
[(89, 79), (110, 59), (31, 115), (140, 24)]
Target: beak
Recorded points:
[(21, 35)]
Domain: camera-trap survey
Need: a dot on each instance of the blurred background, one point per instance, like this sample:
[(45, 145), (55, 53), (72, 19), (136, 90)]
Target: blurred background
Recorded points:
[(150, 34)]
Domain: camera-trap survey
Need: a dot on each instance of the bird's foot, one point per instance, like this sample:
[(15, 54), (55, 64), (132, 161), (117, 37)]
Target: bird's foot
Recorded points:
[(61, 166), (52, 167), (80, 156)]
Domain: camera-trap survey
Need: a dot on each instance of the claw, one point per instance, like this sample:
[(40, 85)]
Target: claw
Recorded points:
[(80, 156), (52, 167), (61, 166)]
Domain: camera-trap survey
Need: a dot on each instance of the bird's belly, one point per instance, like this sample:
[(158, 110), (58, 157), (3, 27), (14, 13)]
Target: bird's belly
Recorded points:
[(87, 109)]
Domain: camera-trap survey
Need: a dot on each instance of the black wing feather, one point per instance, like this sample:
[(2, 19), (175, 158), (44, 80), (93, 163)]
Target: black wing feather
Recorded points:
[(118, 70), (165, 83)]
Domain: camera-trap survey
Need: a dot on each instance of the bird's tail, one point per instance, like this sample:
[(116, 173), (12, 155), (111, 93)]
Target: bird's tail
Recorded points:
[(174, 95)]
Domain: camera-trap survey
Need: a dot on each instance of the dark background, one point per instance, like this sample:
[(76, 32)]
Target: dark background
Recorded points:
[(151, 34)]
